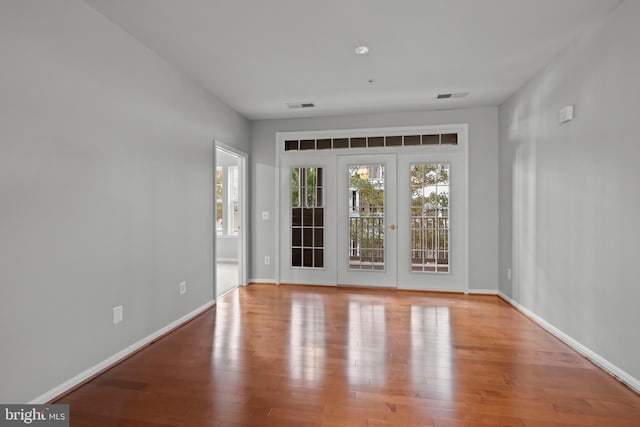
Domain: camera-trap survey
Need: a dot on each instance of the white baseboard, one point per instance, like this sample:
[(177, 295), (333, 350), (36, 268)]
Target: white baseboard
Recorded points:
[(470, 291), (594, 357), (271, 281), (312, 283), (483, 291), (107, 363)]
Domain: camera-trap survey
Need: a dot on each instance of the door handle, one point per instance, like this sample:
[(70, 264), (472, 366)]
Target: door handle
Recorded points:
[(392, 227)]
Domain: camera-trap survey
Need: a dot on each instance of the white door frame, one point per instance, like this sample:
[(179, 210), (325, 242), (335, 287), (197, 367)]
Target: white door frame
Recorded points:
[(242, 235), (462, 146)]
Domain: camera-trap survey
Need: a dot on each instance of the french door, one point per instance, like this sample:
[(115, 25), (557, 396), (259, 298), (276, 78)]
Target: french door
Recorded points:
[(402, 221), (384, 218)]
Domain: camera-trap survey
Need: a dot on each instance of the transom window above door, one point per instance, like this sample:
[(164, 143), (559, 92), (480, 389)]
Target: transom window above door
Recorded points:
[(371, 142)]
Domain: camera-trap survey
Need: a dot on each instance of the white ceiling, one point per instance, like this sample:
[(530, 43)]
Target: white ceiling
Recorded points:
[(257, 55)]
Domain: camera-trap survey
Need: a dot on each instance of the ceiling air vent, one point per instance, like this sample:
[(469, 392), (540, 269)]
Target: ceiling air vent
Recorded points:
[(452, 95), (307, 104)]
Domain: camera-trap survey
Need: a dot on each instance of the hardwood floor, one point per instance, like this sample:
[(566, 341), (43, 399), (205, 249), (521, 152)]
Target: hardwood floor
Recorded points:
[(311, 356)]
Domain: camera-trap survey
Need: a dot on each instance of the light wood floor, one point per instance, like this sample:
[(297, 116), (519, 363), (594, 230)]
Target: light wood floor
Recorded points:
[(311, 356)]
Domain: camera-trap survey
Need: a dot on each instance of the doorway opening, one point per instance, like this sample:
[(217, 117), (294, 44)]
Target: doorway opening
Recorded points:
[(230, 216)]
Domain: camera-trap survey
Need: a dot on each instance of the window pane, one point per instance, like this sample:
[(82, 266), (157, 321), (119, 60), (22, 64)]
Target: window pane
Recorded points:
[(295, 187), (366, 216), (296, 257), (307, 237), (430, 217), (340, 143), (296, 237), (307, 218), (296, 217), (291, 145), (311, 187), (323, 144), (376, 141)]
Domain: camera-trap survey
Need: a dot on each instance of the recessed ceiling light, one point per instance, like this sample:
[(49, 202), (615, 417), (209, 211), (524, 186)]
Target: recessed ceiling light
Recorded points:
[(362, 50)]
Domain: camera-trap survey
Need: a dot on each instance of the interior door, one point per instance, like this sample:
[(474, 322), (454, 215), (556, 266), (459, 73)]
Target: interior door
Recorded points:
[(366, 217)]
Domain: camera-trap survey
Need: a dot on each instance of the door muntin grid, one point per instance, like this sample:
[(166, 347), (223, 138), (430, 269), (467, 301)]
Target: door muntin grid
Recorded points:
[(366, 217), (430, 215), (307, 217)]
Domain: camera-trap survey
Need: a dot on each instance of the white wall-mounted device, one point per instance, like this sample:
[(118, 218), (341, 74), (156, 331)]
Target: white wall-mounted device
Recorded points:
[(565, 114)]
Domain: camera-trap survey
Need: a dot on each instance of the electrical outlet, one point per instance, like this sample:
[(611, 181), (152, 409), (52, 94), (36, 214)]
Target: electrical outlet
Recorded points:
[(267, 260), (183, 288), (265, 215), (117, 314)]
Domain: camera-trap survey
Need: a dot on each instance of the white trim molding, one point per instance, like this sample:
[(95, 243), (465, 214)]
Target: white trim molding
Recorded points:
[(268, 281), (118, 357), (613, 370), (242, 235), (227, 260), (483, 292)]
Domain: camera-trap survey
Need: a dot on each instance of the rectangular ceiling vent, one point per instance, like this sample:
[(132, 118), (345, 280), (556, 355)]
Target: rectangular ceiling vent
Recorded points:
[(452, 95), (307, 104)]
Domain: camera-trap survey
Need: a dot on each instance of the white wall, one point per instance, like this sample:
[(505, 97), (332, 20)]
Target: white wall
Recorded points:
[(569, 193), (106, 192), (483, 181)]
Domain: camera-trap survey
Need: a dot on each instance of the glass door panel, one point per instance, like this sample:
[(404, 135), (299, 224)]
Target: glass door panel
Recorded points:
[(376, 220), (366, 220), (430, 217), (307, 217), (366, 216)]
